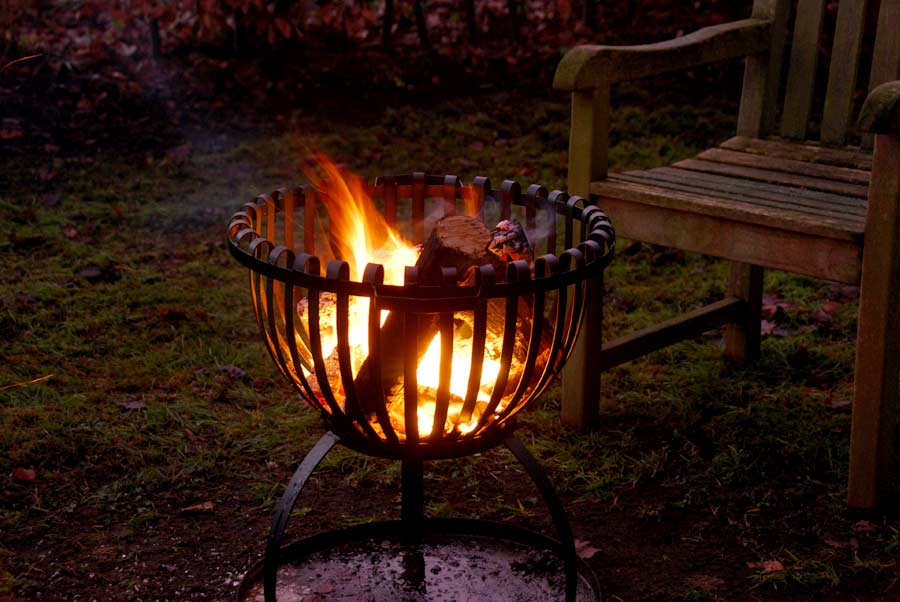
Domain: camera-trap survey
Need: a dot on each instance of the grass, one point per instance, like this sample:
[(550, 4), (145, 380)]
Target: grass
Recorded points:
[(117, 284)]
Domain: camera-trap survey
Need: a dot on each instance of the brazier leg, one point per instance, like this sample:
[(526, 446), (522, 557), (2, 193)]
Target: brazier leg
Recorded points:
[(412, 482), (301, 475), (557, 512)]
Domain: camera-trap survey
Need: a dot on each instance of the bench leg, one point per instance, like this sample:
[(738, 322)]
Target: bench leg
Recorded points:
[(877, 348), (742, 337), (581, 374)]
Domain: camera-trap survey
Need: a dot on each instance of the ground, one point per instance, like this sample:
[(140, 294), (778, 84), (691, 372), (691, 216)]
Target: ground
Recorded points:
[(146, 437)]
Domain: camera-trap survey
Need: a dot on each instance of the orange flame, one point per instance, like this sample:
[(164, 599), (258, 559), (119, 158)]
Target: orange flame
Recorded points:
[(359, 235)]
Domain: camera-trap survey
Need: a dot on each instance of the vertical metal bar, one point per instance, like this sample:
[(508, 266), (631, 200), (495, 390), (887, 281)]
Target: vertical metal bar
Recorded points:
[(410, 364), (532, 195), (442, 398), (509, 195), (288, 217), (315, 340), (390, 200), (374, 275), (481, 187), (534, 340), (309, 220), (450, 187), (270, 218), (340, 271), (506, 352), (299, 362), (418, 207)]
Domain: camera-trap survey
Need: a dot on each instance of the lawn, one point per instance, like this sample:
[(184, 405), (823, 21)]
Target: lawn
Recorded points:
[(146, 436)]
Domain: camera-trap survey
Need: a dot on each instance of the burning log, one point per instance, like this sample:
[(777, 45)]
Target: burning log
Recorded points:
[(463, 243)]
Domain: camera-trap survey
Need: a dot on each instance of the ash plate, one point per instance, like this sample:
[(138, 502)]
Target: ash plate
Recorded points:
[(443, 567)]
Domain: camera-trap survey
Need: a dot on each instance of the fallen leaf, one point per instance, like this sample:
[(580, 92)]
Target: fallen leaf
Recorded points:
[(766, 327), (23, 474), (232, 371), (864, 526), (837, 403), (10, 134), (840, 544), (766, 566), (131, 405), (584, 549), (830, 307), (198, 508), (820, 316)]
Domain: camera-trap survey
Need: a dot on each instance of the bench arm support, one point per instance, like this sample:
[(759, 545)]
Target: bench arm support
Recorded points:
[(586, 67), (880, 113)]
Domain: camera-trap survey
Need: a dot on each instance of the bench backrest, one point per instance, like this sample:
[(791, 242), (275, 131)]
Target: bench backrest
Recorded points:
[(864, 43)]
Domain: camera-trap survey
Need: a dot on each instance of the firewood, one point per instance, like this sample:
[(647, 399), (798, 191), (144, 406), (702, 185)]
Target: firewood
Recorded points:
[(463, 243)]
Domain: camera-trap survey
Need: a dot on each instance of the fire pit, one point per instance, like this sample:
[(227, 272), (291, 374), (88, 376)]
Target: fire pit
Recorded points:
[(419, 353)]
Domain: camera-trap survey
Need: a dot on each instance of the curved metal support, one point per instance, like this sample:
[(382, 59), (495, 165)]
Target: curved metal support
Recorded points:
[(301, 475), (557, 512)]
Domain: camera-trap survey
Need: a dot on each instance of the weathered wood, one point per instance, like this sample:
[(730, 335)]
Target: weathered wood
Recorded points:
[(843, 70), (580, 405), (756, 114), (768, 245), (773, 177), (814, 171), (796, 199), (689, 325), (813, 153), (656, 196), (886, 52), (586, 67), (742, 335), (802, 72), (805, 209), (589, 139), (878, 336), (880, 113), (761, 202)]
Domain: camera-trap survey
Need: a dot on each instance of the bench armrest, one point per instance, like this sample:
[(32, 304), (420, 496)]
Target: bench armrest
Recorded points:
[(880, 113), (586, 67)]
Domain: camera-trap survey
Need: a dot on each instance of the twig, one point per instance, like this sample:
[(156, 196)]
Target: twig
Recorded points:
[(19, 60), (27, 382)]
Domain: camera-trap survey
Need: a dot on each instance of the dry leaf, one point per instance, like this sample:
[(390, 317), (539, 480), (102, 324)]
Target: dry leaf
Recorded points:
[(851, 543), (232, 371), (864, 526), (198, 508), (584, 549), (23, 474), (766, 566)]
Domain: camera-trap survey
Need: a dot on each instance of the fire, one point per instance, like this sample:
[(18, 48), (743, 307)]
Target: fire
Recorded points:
[(360, 235)]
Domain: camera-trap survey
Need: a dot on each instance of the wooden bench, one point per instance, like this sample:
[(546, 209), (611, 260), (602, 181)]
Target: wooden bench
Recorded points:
[(770, 197)]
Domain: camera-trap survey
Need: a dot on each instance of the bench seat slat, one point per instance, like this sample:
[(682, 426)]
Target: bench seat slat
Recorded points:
[(801, 201), (773, 177), (813, 153), (847, 175), (773, 217)]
